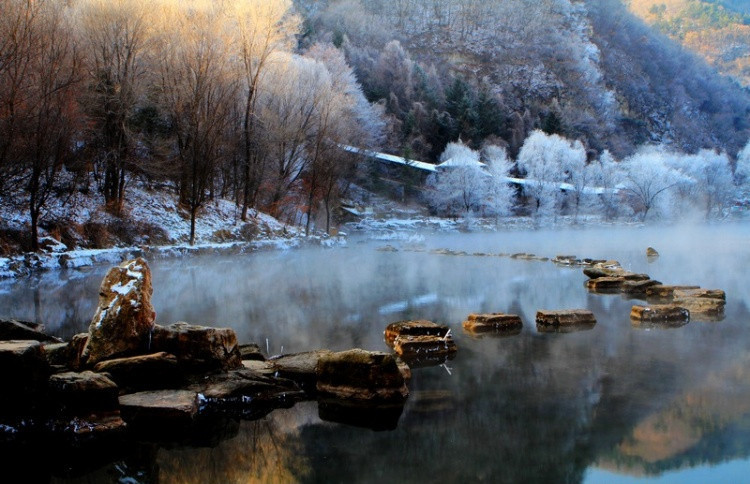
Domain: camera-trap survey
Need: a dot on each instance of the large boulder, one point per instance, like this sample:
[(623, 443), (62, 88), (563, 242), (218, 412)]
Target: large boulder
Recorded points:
[(493, 322), (23, 374), (361, 376), (413, 328), (125, 317), (156, 370), (12, 329), (83, 392), (198, 348)]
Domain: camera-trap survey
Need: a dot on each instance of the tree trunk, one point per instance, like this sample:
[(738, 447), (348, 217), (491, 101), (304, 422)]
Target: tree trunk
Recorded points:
[(193, 211)]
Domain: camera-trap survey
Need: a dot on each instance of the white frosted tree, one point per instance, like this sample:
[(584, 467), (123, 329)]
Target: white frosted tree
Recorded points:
[(648, 180), (577, 173), (606, 176), (742, 169), (541, 159), (500, 194), (461, 184), (711, 186)]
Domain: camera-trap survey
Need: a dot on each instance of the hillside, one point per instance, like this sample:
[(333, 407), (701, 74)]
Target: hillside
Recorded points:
[(719, 31), (500, 69)]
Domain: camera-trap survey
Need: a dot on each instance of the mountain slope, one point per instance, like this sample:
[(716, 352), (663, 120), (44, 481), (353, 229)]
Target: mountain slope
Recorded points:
[(718, 31)]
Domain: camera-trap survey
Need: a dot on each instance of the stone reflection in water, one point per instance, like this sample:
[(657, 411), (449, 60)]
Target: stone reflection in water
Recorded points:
[(264, 451)]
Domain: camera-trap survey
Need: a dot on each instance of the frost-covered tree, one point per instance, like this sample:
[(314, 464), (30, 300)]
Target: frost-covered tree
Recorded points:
[(542, 159), (711, 184), (578, 174), (742, 169), (500, 194), (606, 176), (461, 184), (648, 178)]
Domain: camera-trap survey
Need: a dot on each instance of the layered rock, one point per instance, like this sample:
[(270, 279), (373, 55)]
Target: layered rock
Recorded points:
[(83, 392), (300, 367), (124, 317), (659, 315), (565, 320), (13, 329), (493, 322), (156, 370), (159, 408), (419, 327), (361, 376), (198, 347), (425, 347), (665, 292)]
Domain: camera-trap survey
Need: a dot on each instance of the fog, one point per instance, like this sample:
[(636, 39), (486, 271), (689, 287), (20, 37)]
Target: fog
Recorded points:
[(532, 407)]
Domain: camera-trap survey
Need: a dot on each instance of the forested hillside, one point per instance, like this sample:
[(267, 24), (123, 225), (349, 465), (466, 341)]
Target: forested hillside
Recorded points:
[(499, 69), (717, 30)]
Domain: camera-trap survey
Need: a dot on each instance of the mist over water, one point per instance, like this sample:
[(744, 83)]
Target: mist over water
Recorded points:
[(528, 408)]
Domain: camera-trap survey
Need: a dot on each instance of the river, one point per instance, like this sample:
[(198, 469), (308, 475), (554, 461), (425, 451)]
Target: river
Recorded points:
[(612, 404)]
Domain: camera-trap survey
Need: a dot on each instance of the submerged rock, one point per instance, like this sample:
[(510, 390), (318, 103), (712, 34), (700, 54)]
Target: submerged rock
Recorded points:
[(419, 327), (13, 329), (124, 317), (493, 322), (668, 315), (361, 375), (198, 347), (563, 321)]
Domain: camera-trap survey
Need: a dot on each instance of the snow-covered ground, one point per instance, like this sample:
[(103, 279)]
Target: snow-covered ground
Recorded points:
[(218, 229)]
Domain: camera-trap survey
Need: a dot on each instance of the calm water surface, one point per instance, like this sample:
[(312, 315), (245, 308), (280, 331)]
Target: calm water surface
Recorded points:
[(612, 404)]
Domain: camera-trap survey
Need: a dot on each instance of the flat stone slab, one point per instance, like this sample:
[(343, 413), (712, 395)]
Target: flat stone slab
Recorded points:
[(565, 317), (410, 347), (159, 407), (638, 288), (143, 372), (85, 391), (13, 329), (700, 294), (704, 309), (605, 284), (499, 322), (299, 367), (420, 327), (665, 291), (662, 314), (361, 375)]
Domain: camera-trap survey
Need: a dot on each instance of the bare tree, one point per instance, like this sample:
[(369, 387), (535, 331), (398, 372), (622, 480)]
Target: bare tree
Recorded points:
[(263, 28), (114, 36), (197, 90), (42, 121)]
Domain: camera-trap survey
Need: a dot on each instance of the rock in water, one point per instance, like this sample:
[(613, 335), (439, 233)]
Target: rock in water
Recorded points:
[(413, 328), (124, 319), (499, 322), (651, 253), (198, 348), (362, 376)]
